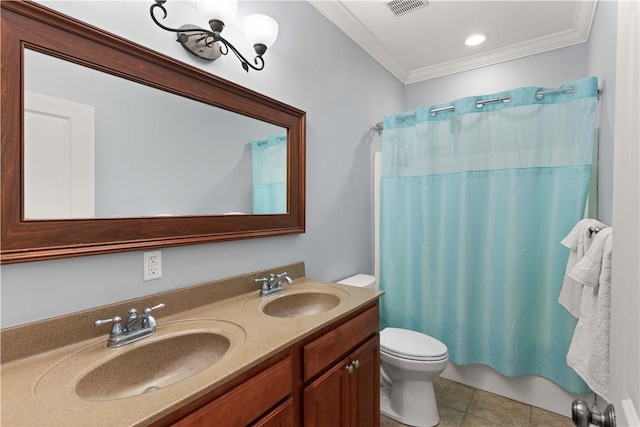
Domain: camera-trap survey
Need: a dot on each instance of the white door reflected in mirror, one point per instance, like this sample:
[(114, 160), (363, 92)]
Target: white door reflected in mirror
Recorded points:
[(59, 159)]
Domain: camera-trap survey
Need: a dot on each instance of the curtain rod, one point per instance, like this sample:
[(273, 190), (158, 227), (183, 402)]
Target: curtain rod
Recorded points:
[(480, 103)]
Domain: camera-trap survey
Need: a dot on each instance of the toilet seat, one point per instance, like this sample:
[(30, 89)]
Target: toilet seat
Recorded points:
[(411, 345)]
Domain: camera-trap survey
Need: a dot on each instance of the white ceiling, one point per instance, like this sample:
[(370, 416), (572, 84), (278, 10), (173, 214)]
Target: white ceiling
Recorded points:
[(428, 42)]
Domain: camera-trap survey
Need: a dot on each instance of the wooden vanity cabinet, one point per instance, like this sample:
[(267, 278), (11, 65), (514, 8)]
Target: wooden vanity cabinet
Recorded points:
[(348, 393), (329, 379)]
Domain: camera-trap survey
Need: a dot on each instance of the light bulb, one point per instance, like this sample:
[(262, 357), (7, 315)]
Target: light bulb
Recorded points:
[(260, 29), (475, 39), (223, 10)]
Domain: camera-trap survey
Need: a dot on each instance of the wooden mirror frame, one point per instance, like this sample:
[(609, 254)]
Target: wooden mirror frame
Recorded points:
[(33, 26)]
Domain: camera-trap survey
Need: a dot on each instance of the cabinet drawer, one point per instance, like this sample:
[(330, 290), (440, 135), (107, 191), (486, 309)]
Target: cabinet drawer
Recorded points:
[(243, 404), (322, 352)]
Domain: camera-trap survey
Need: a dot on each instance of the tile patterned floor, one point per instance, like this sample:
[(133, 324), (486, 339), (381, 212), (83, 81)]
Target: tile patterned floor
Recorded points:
[(463, 406)]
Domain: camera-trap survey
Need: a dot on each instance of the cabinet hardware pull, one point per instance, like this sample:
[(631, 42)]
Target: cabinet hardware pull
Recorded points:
[(350, 368), (356, 364)]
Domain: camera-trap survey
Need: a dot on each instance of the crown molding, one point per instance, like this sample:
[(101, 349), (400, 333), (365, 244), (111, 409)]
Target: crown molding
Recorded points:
[(342, 17)]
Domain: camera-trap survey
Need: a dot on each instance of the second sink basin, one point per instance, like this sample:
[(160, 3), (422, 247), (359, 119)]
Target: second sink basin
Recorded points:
[(300, 305), (298, 301), (153, 366)]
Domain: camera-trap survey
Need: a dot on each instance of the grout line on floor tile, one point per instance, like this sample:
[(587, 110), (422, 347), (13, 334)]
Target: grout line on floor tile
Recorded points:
[(464, 418)]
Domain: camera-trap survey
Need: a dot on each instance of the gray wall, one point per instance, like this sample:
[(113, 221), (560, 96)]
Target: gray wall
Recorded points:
[(315, 67), (312, 66), (601, 62)]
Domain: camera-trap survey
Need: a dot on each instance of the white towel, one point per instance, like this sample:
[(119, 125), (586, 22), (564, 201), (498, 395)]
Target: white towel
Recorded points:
[(578, 241), (589, 350)]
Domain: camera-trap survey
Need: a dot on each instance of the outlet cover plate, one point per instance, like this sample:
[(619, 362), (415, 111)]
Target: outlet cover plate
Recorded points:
[(152, 265)]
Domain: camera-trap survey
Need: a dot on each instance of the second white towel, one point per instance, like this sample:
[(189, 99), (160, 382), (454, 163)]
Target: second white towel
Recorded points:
[(589, 350)]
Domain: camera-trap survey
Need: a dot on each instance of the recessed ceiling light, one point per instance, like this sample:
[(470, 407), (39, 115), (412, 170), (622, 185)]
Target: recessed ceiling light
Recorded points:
[(475, 39)]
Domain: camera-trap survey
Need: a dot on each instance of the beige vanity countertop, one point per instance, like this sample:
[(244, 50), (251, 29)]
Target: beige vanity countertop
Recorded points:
[(40, 390)]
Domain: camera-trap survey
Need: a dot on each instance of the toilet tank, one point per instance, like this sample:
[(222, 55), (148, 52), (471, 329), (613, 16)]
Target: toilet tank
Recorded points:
[(360, 281)]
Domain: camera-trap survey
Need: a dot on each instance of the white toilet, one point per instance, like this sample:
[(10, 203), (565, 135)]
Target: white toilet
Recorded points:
[(410, 362)]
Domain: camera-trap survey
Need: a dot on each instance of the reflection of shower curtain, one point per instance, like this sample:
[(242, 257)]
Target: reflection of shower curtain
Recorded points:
[(269, 159), (474, 204)]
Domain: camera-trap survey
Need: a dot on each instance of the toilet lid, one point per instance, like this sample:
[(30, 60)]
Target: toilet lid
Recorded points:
[(412, 345)]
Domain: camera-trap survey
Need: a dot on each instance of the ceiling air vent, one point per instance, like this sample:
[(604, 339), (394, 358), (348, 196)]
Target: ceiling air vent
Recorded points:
[(400, 7)]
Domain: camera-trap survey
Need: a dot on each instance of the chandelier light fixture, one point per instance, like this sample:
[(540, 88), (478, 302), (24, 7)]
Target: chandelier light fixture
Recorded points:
[(260, 30)]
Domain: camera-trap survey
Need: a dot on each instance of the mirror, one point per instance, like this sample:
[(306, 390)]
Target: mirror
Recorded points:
[(230, 165), (89, 154)]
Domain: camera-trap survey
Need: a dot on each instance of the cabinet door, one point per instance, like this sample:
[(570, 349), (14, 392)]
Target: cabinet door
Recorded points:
[(325, 399), (364, 385), (282, 416)]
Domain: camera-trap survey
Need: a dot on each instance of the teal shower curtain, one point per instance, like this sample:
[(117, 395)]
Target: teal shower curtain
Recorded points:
[(474, 204), (269, 162)]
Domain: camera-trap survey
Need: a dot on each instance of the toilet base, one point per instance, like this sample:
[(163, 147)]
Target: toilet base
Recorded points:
[(415, 400)]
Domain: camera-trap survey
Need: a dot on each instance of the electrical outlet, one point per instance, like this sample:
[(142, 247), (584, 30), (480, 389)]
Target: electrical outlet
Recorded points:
[(152, 265)]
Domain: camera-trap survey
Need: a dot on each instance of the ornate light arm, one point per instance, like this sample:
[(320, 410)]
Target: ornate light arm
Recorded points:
[(259, 48), (207, 44)]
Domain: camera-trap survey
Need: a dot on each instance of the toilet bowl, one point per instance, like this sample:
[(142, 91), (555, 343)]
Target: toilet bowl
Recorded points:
[(410, 362)]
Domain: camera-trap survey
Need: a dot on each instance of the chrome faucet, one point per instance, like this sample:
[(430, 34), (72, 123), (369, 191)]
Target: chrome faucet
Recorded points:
[(272, 284), (136, 328)]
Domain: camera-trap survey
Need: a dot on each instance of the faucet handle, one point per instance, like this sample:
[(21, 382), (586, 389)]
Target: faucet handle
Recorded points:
[(114, 319), (117, 327), (149, 321), (265, 285), (155, 307)]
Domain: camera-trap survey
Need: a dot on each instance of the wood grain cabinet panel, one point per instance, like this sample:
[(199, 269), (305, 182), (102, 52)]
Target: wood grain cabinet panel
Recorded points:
[(325, 350), (282, 416), (348, 395), (245, 403), (324, 400), (364, 388)]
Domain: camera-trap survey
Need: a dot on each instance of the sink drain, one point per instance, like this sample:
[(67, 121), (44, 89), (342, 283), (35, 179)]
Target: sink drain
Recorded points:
[(150, 389)]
